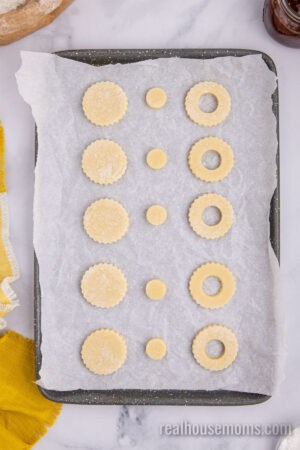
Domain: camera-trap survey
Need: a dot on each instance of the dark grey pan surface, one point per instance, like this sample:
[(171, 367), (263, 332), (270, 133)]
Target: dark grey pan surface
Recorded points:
[(157, 397)]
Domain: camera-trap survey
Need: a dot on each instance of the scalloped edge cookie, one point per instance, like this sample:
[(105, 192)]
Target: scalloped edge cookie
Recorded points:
[(196, 220), (104, 285), (104, 161), (113, 228), (207, 119), (223, 274), (219, 333), (106, 113), (198, 150), (114, 350)]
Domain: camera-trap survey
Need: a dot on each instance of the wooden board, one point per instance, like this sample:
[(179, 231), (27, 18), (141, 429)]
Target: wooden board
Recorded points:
[(28, 18)]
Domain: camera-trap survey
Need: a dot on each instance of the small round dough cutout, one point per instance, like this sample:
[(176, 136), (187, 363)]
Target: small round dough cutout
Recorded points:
[(156, 159), (106, 221), (104, 351), (156, 348), (197, 209), (156, 215), (104, 161), (199, 149), (156, 289), (227, 282), (104, 285), (156, 98), (212, 333), (194, 111), (104, 103)]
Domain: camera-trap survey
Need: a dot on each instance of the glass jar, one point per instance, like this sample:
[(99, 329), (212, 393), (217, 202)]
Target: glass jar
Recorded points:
[(282, 21)]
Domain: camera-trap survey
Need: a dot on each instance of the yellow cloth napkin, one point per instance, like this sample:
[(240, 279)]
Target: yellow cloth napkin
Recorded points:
[(9, 271), (25, 414)]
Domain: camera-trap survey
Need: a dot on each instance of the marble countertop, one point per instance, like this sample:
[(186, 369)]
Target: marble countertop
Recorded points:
[(157, 24)]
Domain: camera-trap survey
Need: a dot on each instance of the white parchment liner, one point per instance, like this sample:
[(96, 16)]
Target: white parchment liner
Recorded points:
[(54, 86)]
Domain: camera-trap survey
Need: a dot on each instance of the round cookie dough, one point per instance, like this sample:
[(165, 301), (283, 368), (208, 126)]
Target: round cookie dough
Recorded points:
[(227, 281), (104, 161), (156, 348), (106, 221), (196, 220), (104, 351), (198, 151), (104, 103), (194, 111), (211, 333), (156, 289), (104, 285), (156, 215), (156, 158), (156, 98)]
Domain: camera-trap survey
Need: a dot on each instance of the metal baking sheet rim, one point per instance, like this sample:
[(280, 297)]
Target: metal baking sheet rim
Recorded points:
[(157, 397)]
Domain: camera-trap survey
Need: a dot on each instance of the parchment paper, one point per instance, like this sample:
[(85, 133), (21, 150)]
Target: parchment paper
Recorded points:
[(54, 87)]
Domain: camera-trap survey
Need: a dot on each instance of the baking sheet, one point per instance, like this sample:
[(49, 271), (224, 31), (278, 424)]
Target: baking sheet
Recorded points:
[(251, 129)]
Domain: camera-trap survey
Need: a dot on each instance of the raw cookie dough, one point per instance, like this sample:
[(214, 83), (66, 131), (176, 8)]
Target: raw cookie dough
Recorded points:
[(156, 348), (156, 289), (219, 333), (199, 149), (106, 221), (194, 111), (156, 215), (196, 220), (225, 293), (104, 351), (156, 98), (104, 103), (104, 161), (156, 158), (104, 285)]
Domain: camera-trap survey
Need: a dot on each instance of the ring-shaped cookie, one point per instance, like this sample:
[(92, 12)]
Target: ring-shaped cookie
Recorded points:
[(199, 149), (225, 293), (194, 111), (196, 220), (211, 333)]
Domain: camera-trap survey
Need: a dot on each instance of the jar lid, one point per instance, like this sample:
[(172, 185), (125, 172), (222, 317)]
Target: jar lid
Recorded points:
[(292, 9)]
